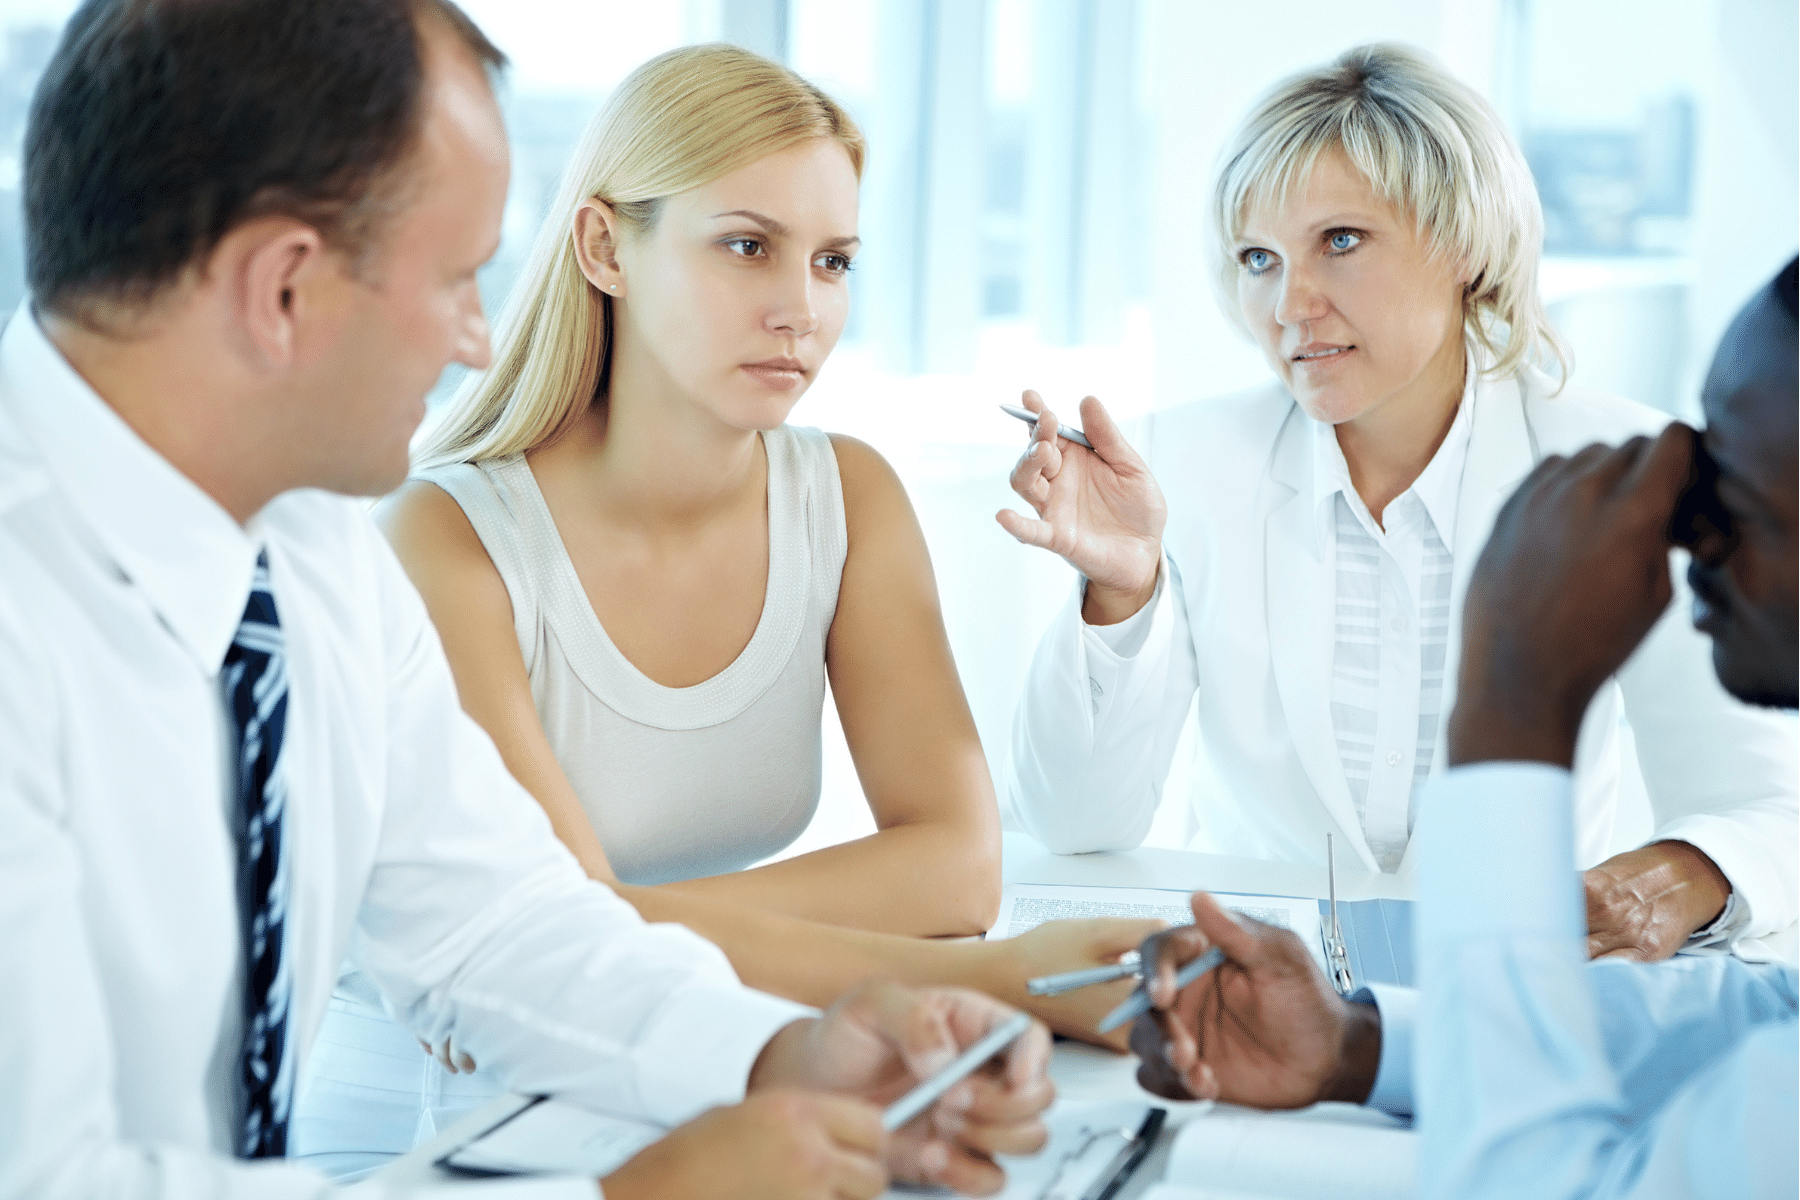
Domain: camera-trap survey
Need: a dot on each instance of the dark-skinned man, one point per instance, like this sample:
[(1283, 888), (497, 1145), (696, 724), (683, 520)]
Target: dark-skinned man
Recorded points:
[(1533, 1072)]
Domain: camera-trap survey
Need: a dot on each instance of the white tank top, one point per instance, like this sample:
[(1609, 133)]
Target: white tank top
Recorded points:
[(678, 782)]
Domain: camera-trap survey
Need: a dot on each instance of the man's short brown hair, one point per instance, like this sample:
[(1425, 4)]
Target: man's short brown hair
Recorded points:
[(161, 125)]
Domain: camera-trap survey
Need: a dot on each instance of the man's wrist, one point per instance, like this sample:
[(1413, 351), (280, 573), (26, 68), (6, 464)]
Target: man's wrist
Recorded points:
[(781, 1061), (1480, 731), (1359, 1055)]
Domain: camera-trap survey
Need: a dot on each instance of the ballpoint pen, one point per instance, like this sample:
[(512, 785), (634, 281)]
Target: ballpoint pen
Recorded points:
[(926, 1094), (1337, 954), (1068, 981), (1138, 1003), (1062, 431)]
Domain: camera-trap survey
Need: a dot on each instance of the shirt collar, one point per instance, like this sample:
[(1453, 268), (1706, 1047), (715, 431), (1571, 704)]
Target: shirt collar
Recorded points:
[(1438, 485), (169, 539)]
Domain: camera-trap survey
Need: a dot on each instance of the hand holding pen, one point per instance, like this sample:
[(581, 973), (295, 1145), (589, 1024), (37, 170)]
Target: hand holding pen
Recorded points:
[(1096, 505), (1265, 1028)]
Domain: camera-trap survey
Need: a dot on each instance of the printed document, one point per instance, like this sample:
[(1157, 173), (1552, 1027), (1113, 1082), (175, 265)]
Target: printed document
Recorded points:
[(1025, 906)]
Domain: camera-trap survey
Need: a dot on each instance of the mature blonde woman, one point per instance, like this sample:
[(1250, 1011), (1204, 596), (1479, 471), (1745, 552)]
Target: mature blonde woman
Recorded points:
[(643, 580), (1377, 234)]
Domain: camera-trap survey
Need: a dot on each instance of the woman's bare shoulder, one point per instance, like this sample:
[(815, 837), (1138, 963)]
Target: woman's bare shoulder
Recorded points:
[(427, 527), (867, 477)]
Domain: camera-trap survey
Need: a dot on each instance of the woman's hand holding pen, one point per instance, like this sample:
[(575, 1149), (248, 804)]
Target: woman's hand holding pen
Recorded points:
[(1264, 1029), (1099, 509), (1058, 946)]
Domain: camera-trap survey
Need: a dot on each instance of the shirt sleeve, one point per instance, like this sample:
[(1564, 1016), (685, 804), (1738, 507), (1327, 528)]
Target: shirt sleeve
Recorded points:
[(1126, 638), (1663, 1022), (1393, 1090), (1098, 723), (1521, 1091), (60, 1136), (477, 923)]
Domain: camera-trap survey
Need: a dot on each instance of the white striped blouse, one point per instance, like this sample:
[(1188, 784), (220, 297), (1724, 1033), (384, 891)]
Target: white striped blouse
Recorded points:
[(1392, 621)]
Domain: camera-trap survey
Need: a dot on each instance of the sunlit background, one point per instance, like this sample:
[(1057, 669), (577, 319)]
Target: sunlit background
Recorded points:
[(1032, 215)]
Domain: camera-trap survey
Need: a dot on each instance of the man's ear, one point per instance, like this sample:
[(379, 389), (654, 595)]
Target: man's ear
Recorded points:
[(595, 236), (278, 261)]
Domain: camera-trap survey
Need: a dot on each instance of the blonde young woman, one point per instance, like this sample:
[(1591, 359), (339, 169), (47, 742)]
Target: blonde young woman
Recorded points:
[(1303, 563), (644, 579)]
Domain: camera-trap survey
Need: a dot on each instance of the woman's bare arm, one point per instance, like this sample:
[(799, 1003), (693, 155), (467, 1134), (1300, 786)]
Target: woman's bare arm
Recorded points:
[(469, 605), (811, 962), (933, 866)]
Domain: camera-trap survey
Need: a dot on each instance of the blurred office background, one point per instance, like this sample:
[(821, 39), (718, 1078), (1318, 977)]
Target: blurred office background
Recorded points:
[(1032, 215)]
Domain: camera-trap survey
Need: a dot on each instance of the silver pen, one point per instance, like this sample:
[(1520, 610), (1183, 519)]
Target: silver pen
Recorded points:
[(967, 1063), (1138, 1003), (1068, 981), (1062, 431), (1337, 954)]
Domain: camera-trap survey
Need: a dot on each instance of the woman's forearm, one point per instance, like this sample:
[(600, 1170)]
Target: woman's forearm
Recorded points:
[(811, 962), (922, 880), (816, 963)]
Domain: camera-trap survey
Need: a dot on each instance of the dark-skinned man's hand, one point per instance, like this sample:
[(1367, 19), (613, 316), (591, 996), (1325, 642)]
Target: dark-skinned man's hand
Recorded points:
[(1571, 581), (1265, 1029)]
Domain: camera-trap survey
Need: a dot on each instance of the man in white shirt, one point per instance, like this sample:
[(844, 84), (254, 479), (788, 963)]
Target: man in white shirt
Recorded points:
[(1532, 1072), (230, 749)]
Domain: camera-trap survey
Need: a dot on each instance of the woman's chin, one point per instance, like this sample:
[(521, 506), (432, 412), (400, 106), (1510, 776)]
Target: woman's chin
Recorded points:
[(1330, 406), (759, 413)]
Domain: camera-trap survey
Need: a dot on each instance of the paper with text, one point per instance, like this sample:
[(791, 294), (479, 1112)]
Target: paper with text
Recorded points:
[(1025, 906)]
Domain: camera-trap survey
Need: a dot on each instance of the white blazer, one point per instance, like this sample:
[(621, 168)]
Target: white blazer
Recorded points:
[(1244, 616)]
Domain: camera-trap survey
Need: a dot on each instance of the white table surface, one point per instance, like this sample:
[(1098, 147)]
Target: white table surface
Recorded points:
[(1085, 1073), (1082, 1073), (1024, 860)]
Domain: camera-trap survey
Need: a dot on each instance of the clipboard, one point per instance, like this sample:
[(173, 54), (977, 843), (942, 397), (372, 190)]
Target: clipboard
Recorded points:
[(536, 1135), (1378, 939)]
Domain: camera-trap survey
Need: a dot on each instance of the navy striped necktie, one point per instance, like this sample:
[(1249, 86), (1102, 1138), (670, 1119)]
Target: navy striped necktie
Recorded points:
[(256, 696)]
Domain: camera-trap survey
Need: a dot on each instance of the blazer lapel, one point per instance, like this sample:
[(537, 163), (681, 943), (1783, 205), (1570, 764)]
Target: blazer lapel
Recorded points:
[(1299, 593), (1501, 454)]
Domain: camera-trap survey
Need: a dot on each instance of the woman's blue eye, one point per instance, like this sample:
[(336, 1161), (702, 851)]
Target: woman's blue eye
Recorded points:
[(1258, 261), (1343, 240)]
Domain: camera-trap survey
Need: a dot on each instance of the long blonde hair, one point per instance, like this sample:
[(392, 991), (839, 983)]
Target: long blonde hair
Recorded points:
[(1430, 146), (680, 121)]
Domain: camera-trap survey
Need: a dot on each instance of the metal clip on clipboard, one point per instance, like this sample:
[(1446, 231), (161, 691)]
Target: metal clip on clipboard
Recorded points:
[(1337, 955)]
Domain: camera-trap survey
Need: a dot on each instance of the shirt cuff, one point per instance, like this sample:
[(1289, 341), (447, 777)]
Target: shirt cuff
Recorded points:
[(1127, 637), (704, 1041), (1393, 1090), (1722, 930), (1498, 855), (1755, 854)]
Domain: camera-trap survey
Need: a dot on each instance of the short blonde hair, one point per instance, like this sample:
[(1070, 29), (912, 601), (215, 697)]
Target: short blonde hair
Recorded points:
[(1430, 146), (680, 121)]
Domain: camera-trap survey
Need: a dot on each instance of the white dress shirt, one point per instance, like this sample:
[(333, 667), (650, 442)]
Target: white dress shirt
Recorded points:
[(413, 851)]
